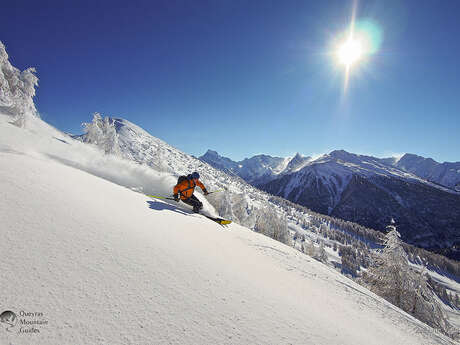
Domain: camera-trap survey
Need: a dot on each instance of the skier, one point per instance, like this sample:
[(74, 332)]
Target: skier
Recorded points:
[(185, 187)]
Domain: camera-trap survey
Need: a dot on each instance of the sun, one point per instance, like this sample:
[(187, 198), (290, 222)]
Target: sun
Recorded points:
[(350, 52)]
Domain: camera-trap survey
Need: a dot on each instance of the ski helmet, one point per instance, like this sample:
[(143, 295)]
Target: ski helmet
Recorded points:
[(195, 175)]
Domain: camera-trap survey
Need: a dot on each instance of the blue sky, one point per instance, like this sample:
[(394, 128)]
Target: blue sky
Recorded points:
[(246, 77)]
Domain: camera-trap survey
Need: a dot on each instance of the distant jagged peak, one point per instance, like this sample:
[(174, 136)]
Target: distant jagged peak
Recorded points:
[(297, 157), (300, 157), (214, 156), (297, 162), (211, 153)]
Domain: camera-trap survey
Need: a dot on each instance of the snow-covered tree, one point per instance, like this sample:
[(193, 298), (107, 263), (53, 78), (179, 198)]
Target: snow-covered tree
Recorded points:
[(392, 278), (17, 90), (270, 224), (102, 132), (321, 254), (309, 248), (350, 265)]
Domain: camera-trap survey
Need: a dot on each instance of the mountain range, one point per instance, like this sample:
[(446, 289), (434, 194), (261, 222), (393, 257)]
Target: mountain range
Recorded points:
[(419, 193), (258, 169)]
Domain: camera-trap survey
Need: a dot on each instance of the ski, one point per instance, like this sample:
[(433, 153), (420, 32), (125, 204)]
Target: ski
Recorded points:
[(221, 221)]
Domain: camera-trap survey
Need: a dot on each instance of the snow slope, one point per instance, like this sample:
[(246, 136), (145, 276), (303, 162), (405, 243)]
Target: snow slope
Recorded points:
[(241, 203), (106, 265)]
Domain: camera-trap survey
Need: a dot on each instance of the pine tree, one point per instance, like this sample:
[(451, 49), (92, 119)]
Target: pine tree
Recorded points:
[(271, 225), (321, 254), (392, 278), (17, 90), (102, 132)]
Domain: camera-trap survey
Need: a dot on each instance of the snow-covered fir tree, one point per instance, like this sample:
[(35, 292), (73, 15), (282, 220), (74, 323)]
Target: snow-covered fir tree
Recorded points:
[(350, 265), (391, 277), (308, 248), (102, 132), (270, 224), (321, 254), (17, 90)]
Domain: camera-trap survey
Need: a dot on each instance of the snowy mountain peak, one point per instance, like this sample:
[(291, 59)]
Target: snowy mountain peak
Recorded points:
[(298, 156), (217, 161), (296, 163), (341, 153), (347, 156)]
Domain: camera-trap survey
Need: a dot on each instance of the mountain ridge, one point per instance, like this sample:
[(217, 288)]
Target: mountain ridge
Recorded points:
[(445, 174), (257, 169), (345, 185)]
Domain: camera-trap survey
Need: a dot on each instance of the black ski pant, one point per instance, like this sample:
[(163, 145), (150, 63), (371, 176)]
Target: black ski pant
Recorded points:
[(194, 202)]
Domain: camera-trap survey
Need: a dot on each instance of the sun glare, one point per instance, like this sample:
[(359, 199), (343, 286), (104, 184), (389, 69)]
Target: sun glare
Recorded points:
[(350, 52), (355, 45)]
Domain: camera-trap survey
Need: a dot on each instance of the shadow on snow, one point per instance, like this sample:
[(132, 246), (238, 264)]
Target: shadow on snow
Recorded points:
[(161, 206)]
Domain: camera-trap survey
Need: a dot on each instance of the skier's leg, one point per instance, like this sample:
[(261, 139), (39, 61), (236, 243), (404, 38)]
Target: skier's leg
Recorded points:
[(198, 204), (194, 202), (187, 201)]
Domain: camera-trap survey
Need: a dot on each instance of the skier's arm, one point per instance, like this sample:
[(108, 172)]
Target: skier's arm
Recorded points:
[(176, 192), (176, 189), (203, 188)]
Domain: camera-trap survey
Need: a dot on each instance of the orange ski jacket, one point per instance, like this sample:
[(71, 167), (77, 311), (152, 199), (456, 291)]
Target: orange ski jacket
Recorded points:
[(187, 187)]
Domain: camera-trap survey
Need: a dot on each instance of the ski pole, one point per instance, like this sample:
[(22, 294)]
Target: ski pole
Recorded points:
[(215, 191)]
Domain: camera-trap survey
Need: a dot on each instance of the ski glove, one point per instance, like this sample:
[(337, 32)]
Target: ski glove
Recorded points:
[(205, 192), (176, 197)]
